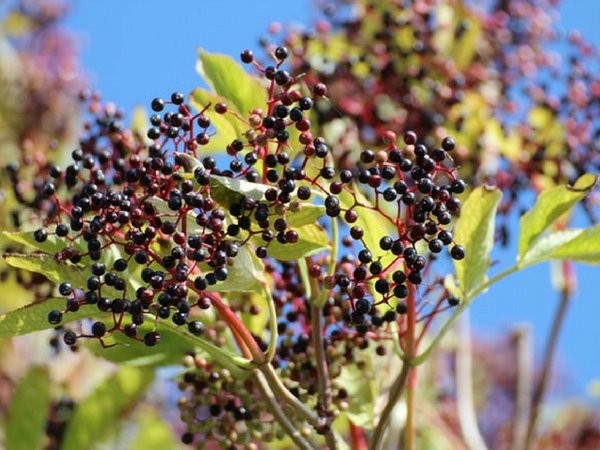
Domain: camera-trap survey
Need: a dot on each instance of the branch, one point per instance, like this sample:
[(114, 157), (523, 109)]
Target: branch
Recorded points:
[(523, 347), (395, 393), (282, 419), (542, 385), (464, 387), (323, 380)]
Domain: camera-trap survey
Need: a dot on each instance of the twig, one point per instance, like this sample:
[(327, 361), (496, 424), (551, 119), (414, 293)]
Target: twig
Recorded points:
[(394, 396), (283, 394), (282, 419), (323, 380), (523, 346), (464, 387), (542, 384)]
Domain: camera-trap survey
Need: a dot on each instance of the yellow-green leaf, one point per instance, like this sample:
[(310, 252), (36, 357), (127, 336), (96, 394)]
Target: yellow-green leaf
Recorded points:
[(245, 275), (100, 413), (475, 231), (585, 247), (33, 317), (56, 271), (550, 205), (312, 239), (224, 127), (28, 412), (361, 392), (229, 80), (154, 433)]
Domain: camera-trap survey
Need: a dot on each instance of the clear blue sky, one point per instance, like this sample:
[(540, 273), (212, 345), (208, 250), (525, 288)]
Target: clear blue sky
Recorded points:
[(139, 50)]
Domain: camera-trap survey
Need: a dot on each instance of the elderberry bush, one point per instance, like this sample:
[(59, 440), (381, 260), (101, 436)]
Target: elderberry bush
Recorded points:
[(287, 271), (160, 234)]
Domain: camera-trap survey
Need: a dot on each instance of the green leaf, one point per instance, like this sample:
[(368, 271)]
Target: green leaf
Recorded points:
[(545, 246), (171, 349), (229, 80), (312, 239), (227, 126), (28, 411), (228, 191), (140, 123), (584, 247), (33, 317), (153, 433), (54, 270), (304, 215), (52, 245), (245, 275), (175, 342), (475, 231), (550, 205), (361, 392), (61, 271), (101, 412), (374, 224), (256, 323)]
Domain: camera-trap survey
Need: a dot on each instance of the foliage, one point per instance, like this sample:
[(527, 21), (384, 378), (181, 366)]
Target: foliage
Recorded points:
[(294, 263)]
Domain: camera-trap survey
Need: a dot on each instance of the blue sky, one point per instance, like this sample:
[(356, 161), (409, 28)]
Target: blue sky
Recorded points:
[(136, 52)]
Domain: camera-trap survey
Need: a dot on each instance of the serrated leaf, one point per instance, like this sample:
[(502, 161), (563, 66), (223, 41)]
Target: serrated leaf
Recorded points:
[(312, 239), (62, 271), (175, 342), (28, 411), (227, 126), (229, 80), (475, 231), (550, 205), (102, 411), (33, 317)]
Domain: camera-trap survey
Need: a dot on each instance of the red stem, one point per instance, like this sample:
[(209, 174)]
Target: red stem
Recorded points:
[(357, 437)]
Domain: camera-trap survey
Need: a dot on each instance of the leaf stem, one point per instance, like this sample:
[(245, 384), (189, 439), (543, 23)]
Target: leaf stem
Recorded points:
[(273, 333), (395, 393), (282, 419), (282, 393), (411, 351), (524, 385), (323, 380), (464, 387)]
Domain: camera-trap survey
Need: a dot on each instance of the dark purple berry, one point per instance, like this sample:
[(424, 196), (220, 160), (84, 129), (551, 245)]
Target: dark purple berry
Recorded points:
[(54, 317)]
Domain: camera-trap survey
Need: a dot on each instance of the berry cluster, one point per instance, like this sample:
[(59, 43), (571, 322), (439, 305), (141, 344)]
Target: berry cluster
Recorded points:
[(424, 67), (222, 408), (160, 232)]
